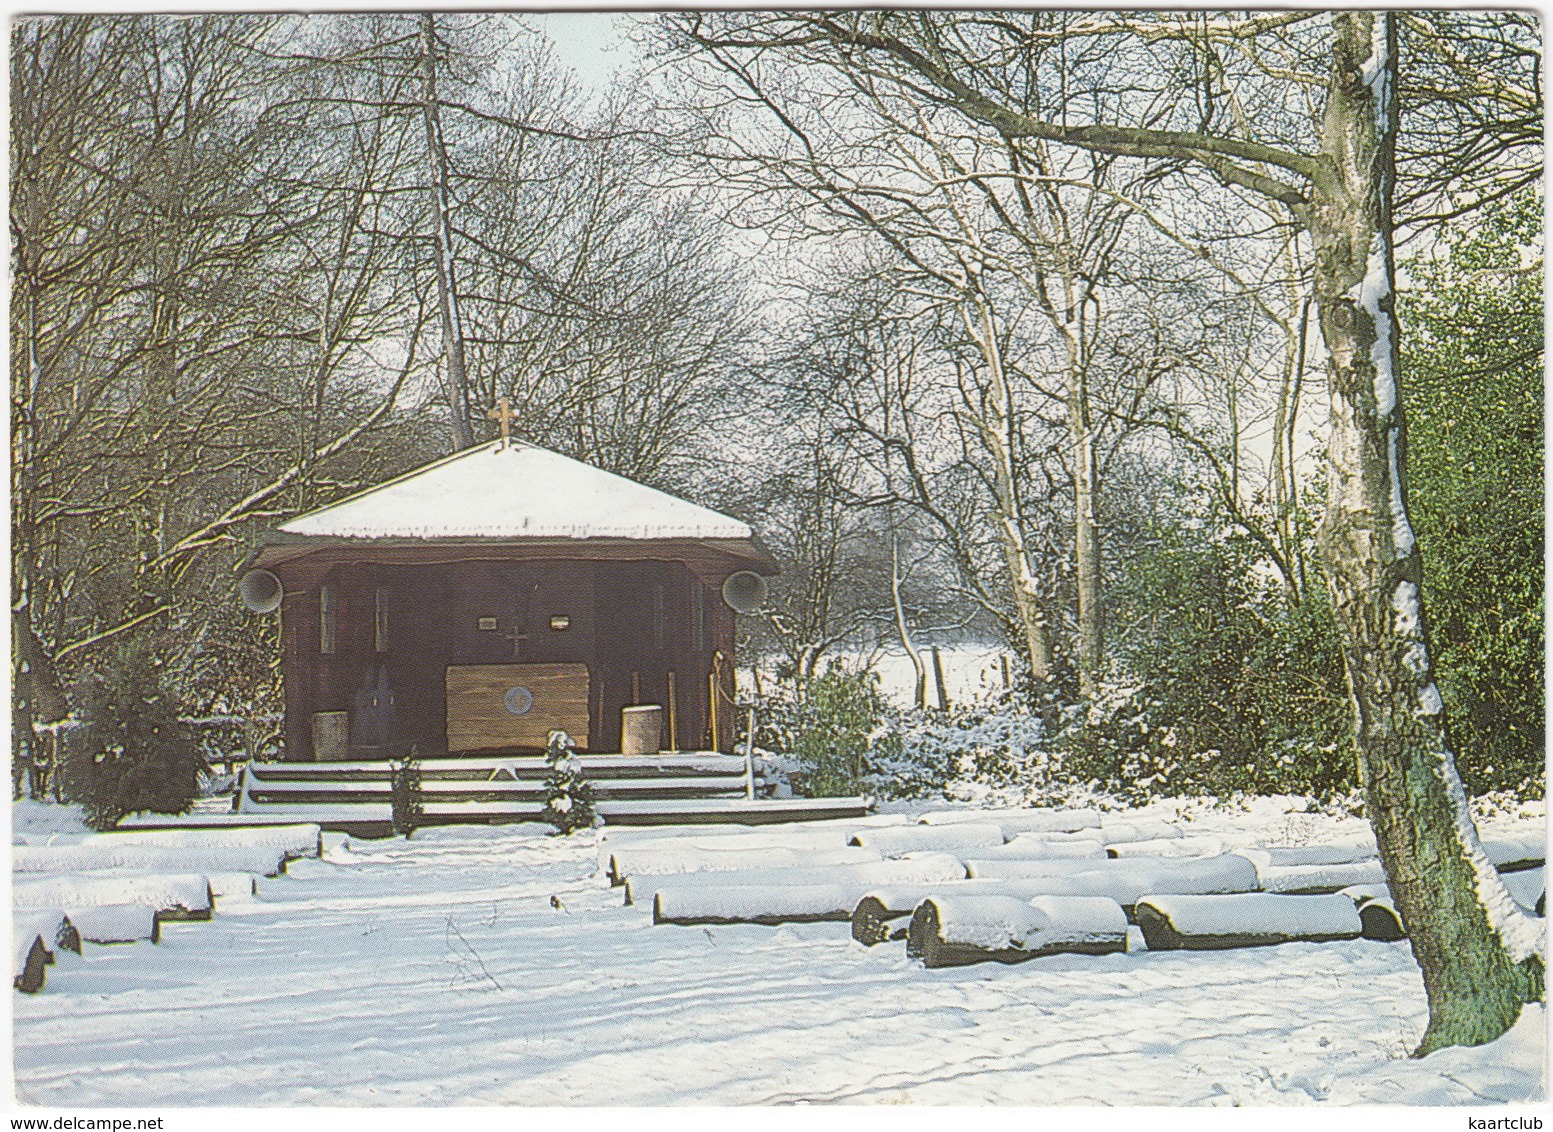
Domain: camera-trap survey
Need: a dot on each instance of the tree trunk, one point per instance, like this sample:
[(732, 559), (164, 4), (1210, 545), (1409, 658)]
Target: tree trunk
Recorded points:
[(1478, 952), (1086, 530), (442, 233), (995, 423), (904, 630)]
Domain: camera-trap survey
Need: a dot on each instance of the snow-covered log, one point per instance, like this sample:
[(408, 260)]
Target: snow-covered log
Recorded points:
[(795, 836), (1528, 887), (1019, 821), (960, 837), (233, 886), (691, 858), (1309, 880), (918, 868), (955, 930), (51, 925), (1256, 919), (1126, 879), (797, 832), (1282, 856), (176, 897), (884, 912), (1377, 912), (1116, 831), (754, 904), (1513, 852), (301, 840), (110, 854), (1168, 847), (117, 923), (29, 958), (1042, 847)]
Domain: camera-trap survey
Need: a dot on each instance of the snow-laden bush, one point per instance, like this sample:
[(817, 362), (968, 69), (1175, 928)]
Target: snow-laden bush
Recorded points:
[(836, 727), (961, 754), (1124, 748)]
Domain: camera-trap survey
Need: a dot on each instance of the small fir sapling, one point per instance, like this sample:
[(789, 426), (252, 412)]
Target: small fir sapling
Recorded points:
[(134, 753), (568, 793), (405, 798)]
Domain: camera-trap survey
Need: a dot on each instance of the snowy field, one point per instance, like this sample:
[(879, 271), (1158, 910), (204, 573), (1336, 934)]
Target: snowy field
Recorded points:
[(495, 966), (972, 672)]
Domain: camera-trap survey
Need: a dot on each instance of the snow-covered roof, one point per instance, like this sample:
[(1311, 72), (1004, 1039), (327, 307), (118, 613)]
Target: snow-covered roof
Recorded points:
[(518, 491)]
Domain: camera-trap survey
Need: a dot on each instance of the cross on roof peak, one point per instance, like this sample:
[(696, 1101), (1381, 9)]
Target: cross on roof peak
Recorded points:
[(503, 413)]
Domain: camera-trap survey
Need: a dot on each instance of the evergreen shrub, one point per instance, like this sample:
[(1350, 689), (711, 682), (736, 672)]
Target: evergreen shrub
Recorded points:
[(132, 754)]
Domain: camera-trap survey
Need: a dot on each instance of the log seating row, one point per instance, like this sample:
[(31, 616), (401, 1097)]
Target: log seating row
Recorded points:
[(1036, 883), (108, 888)]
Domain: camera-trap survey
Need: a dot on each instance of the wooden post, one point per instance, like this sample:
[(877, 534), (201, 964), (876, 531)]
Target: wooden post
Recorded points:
[(749, 756), (673, 715), (1003, 664), (938, 674)]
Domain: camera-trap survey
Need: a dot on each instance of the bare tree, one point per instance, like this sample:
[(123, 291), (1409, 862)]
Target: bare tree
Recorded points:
[(1477, 951)]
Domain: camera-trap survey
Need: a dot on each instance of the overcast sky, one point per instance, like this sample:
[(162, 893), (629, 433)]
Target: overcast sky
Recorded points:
[(589, 43)]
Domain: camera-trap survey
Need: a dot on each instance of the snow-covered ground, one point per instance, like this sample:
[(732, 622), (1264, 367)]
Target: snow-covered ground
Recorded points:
[(972, 672), (493, 966)]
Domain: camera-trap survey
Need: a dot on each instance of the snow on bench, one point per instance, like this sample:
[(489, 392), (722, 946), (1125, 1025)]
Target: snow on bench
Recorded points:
[(918, 868), (1255, 919), (1045, 846), (175, 897), (1168, 847), (1019, 821), (954, 930), (29, 958), (631, 861), (117, 923), (108, 854), (1117, 831), (49, 924), (1309, 880), (893, 841)]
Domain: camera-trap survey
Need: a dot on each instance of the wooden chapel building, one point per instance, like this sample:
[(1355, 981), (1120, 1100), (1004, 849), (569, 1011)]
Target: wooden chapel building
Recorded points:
[(476, 603)]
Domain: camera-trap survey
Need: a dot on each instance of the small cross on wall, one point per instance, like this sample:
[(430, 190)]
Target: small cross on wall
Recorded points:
[(503, 413)]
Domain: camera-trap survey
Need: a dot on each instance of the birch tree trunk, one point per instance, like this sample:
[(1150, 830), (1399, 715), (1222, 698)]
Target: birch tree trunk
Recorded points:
[(457, 380), (1478, 953), (901, 627), (996, 423), (1087, 573)]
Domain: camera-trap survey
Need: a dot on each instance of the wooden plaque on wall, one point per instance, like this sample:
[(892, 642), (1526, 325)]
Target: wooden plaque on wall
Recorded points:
[(515, 705)]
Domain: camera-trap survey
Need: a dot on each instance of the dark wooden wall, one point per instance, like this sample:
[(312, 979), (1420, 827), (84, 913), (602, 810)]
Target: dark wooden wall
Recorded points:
[(625, 618)]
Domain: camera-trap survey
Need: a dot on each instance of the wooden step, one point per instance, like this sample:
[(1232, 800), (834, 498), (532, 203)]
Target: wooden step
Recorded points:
[(595, 767), (375, 819)]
